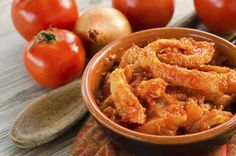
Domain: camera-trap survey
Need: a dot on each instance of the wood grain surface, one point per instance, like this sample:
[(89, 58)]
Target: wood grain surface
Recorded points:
[(17, 89)]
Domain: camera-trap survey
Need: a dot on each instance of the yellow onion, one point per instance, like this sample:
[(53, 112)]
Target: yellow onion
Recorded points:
[(99, 26)]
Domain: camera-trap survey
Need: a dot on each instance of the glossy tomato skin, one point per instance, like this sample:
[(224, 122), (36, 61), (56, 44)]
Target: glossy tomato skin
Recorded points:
[(218, 15), (146, 14), (31, 16), (55, 63)]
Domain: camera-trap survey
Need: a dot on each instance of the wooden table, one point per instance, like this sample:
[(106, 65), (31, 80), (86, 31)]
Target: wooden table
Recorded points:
[(17, 88)]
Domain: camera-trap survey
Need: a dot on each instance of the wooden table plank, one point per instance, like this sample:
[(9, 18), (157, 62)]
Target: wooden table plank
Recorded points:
[(17, 89)]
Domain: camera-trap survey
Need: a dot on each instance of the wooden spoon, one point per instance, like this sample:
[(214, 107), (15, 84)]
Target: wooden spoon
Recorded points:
[(49, 116)]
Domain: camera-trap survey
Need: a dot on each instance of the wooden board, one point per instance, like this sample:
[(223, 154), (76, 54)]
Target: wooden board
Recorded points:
[(17, 88)]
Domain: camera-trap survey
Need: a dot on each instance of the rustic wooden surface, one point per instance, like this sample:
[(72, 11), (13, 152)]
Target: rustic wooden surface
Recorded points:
[(17, 88)]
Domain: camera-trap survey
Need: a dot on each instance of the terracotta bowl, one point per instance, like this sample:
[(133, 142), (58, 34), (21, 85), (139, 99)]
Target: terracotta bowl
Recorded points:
[(140, 143)]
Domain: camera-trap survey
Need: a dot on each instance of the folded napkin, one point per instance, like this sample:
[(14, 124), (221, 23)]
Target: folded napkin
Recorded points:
[(90, 141)]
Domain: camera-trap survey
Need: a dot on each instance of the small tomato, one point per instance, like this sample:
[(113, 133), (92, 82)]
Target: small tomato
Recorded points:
[(54, 57), (146, 14), (218, 15), (31, 16)]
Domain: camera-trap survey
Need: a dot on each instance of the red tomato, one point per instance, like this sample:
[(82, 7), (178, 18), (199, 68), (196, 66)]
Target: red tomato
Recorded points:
[(54, 57), (31, 16), (148, 14), (218, 15)]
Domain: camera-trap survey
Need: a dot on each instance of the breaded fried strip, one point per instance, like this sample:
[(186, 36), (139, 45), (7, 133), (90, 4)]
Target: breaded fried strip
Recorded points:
[(152, 88), (194, 113), (163, 126), (209, 82), (130, 56), (149, 90), (218, 100), (127, 105), (200, 52), (221, 79), (165, 43), (210, 68), (210, 119)]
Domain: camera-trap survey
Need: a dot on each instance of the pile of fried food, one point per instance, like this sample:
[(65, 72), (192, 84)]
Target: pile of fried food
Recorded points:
[(169, 87)]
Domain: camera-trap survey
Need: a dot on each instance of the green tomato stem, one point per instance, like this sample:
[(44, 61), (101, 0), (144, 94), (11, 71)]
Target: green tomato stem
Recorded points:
[(43, 37)]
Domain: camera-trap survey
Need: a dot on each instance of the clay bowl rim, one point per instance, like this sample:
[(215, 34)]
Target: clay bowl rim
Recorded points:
[(149, 138)]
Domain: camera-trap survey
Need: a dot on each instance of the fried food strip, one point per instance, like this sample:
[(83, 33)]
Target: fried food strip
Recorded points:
[(130, 56), (209, 82), (221, 101), (153, 91), (183, 94), (160, 44), (210, 119), (210, 68), (158, 103), (166, 125), (217, 100), (127, 105), (150, 89), (129, 63), (194, 113), (194, 54)]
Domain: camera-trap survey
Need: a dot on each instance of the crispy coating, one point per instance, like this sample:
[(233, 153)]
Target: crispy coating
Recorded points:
[(151, 89), (130, 56), (162, 126), (218, 100), (127, 105), (210, 68), (209, 119), (167, 121), (184, 52), (209, 82)]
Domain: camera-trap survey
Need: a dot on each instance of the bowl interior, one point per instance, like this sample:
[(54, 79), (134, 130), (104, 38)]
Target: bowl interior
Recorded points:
[(103, 62)]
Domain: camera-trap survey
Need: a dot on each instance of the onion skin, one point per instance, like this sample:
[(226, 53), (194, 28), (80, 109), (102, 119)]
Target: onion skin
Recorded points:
[(99, 26)]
